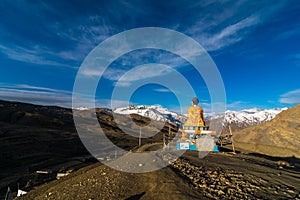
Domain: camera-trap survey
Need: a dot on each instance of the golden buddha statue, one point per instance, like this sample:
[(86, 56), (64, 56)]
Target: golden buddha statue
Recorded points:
[(195, 114)]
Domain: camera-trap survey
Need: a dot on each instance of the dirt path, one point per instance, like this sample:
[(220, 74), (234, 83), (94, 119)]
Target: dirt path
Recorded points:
[(102, 182)]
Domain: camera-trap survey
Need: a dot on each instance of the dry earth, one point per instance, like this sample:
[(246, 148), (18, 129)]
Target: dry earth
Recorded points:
[(217, 176), (278, 137)]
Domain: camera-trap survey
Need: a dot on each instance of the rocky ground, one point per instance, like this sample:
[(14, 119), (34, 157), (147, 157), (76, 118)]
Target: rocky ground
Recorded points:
[(217, 176), (233, 184)]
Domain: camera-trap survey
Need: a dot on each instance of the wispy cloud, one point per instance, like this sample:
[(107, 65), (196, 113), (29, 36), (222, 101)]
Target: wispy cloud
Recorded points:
[(292, 97), (78, 35), (217, 30), (80, 39), (34, 94), (49, 96), (142, 72), (140, 57), (135, 64), (162, 90), (63, 43), (83, 37), (228, 35), (34, 54), (295, 30)]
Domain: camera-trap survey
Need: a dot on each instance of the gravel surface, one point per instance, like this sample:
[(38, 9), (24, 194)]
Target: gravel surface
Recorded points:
[(217, 176)]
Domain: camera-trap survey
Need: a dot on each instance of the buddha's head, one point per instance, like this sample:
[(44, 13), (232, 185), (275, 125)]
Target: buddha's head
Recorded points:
[(195, 101)]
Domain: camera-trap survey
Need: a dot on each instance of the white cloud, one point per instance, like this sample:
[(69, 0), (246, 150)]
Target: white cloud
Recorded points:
[(84, 33), (132, 68), (215, 30), (95, 28), (78, 38), (158, 56), (25, 86), (292, 97), (35, 55), (143, 72), (36, 95), (49, 96), (162, 90), (228, 35), (91, 72)]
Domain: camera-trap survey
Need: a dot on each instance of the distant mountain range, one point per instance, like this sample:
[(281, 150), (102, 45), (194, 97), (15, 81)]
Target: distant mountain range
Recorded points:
[(245, 118), (155, 112), (236, 119), (274, 132)]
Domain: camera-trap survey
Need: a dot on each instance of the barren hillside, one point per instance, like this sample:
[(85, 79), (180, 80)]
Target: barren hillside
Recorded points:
[(281, 136)]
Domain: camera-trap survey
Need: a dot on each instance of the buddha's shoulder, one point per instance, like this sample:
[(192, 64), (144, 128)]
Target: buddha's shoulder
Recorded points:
[(194, 108)]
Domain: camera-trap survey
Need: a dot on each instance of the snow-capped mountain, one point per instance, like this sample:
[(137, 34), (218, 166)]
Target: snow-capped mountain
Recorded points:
[(82, 108), (155, 112), (236, 119), (244, 118)]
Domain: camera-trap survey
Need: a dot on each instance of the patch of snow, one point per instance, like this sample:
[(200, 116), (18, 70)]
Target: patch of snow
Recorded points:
[(81, 108), (155, 112), (248, 116)]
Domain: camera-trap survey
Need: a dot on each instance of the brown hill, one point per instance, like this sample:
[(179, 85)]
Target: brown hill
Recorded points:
[(44, 138), (278, 137)]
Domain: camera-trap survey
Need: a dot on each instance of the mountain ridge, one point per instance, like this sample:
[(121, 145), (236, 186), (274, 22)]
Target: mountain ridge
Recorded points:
[(236, 119)]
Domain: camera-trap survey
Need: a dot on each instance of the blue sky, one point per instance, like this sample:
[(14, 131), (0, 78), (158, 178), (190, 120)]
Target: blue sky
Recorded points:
[(255, 45)]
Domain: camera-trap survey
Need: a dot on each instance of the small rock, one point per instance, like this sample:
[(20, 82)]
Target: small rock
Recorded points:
[(230, 191), (291, 191), (209, 195), (220, 192)]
